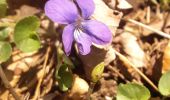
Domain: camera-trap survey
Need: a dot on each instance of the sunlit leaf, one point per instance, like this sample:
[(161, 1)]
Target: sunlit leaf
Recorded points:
[(5, 51), (3, 8), (97, 72), (29, 44), (4, 33), (164, 83), (25, 35), (64, 77), (132, 91)]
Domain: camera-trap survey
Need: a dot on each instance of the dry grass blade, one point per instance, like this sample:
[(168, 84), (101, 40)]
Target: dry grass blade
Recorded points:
[(111, 68), (149, 28), (37, 91), (136, 69)]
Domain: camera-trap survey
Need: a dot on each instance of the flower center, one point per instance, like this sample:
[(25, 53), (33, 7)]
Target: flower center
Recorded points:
[(77, 33), (78, 23), (78, 28)]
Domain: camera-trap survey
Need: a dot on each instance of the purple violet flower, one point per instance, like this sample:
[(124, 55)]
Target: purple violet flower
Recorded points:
[(76, 15)]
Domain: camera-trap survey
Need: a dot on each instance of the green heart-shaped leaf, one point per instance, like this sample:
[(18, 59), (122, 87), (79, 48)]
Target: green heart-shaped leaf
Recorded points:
[(4, 33), (164, 83), (132, 91), (5, 51), (25, 35), (64, 77)]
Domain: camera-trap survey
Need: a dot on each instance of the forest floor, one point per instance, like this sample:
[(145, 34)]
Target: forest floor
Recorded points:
[(139, 53)]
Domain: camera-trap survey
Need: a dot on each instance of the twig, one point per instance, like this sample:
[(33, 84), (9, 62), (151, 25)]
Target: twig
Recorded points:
[(7, 84), (35, 79), (136, 69), (116, 71), (37, 91), (148, 14), (149, 28)]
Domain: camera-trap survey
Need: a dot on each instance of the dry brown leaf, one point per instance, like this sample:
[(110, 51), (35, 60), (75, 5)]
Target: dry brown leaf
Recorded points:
[(166, 59), (95, 57), (12, 77), (22, 61), (123, 4), (15, 80), (24, 11), (110, 55), (156, 24), (135, 54), (136, 3), (147, 18), (4, 95), (111, 3), (106, 15), (167, 24)]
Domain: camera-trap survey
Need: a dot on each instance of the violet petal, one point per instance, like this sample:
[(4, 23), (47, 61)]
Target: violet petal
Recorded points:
[(98, 31), (87, 7), (83, 41), (61, 11), (67, 38)]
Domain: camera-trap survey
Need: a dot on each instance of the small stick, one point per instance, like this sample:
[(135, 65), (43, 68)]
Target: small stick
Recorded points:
[(7, 84), (149, 28), (37, 91), (148, 14), (115, 71), (136, 69)]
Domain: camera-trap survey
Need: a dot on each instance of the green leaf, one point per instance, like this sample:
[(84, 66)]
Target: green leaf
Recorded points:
[(63, 74), (3, 8), (132, 91), (64, 77), (5, 51), (25, 35), (29, 44), (164, 83), (4, 33), (97, 72)]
